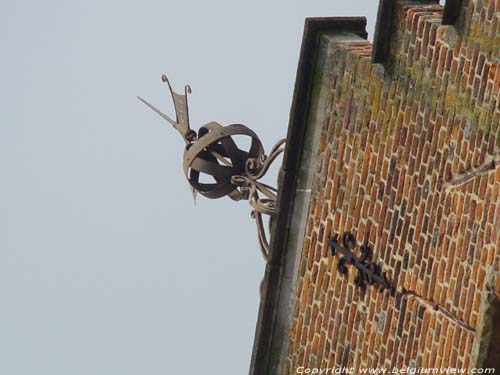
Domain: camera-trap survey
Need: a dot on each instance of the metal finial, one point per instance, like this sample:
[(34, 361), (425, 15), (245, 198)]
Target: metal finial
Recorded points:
[(181, 124), (235, 172)]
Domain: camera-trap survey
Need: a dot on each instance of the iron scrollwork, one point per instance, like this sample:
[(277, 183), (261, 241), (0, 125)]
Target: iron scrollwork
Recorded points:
[(369, 272), (234, 172)]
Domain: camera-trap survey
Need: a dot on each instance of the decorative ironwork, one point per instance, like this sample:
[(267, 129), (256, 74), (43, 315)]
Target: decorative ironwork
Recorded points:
[(234, 172), (369, 272)]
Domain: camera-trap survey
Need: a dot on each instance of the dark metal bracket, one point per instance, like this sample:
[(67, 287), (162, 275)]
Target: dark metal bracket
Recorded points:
[(369, 273)]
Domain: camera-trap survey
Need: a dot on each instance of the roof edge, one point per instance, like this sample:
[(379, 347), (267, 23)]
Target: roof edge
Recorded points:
[(299, 113)]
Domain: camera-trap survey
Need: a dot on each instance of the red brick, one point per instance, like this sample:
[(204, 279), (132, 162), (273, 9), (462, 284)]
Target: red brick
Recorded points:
[(448, 233)]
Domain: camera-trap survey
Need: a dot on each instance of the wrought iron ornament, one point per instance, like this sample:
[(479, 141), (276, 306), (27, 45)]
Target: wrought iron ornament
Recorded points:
[(235, 172), (369, 272)]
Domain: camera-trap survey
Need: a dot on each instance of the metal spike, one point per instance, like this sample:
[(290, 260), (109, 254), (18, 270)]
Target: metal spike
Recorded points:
[(164, 116), (195, 193)]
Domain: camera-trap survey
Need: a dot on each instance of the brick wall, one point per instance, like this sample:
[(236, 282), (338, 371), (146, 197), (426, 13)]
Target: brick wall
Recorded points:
[(410, 162)]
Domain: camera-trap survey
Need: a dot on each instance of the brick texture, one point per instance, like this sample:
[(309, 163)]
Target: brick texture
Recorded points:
[(409, 161)]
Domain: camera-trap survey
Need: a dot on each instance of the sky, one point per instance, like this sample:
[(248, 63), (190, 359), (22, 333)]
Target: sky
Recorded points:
[(106, 264)]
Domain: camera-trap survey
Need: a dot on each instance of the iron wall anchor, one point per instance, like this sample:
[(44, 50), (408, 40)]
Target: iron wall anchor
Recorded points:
[(369, 272)]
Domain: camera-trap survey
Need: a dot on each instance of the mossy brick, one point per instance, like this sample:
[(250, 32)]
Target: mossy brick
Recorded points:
[(404, 163)]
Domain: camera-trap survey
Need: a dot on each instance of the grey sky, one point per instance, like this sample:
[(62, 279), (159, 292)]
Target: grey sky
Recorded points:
[(106, 266)]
